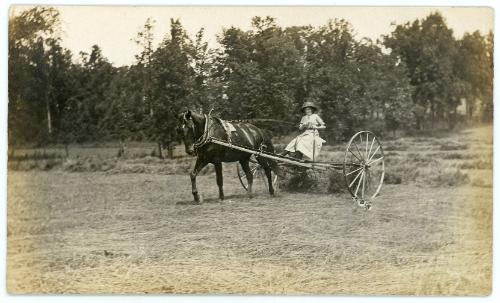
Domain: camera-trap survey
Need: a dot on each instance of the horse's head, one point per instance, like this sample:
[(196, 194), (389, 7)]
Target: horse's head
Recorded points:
[(187, 130)]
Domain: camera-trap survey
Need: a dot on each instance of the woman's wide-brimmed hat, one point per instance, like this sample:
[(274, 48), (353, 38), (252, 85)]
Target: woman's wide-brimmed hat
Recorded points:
[(311, 105)]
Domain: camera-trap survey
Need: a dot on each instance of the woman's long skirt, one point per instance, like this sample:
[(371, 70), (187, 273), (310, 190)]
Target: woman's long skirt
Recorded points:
[(305, 142)]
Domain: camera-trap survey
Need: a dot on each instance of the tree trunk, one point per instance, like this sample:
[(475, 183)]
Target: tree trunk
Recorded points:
[(160, 153), (49, 118), (433, 115), (66, 150), (452, 119), (121, 150), (469, 109), (170, 150)]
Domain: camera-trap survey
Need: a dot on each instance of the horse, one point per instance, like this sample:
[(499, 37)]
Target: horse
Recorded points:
[(196, 129)]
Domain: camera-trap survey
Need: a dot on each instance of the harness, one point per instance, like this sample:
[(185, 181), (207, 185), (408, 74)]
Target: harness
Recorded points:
[(228, 128), (204, 137), (207, 138)]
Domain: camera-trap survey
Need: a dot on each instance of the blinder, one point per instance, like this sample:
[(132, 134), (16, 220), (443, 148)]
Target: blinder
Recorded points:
[(187, 130)]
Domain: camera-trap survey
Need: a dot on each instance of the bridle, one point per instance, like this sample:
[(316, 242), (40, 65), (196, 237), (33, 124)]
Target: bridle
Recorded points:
[(204, 138)]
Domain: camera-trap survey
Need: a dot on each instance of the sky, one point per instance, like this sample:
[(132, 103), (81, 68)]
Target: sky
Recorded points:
[(114, 27)]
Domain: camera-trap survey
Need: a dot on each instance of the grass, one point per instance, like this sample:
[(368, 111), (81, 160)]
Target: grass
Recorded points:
[(130, 233), (95, 223), (436, 161), (440, 161)]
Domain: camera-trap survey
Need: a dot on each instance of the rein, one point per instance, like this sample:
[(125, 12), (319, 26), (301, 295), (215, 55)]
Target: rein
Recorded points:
[(262, 120), (204, 137)]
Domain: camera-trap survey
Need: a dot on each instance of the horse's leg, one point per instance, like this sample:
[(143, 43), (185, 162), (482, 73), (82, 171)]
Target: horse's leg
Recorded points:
[(246, 168), (197, 168), (267, 169), (220, 180), (269, 176)]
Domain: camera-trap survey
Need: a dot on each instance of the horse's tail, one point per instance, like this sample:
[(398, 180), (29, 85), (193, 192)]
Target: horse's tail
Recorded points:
[(267, 138)]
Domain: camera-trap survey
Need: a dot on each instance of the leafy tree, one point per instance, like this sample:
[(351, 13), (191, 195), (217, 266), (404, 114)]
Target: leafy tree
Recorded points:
[(474, 67), (429, 50), (260, 70), (419, 73), (173, 78), (331, 72), (384, 87), (31, 34), (94, 76), (62, 88), (206, 90), (487, 104), (144, 59)]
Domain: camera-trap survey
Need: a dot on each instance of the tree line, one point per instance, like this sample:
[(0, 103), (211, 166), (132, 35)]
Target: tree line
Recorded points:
[(414, 78)]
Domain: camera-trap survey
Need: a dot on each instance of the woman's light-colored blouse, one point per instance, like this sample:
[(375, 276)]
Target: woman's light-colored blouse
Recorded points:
[(314, 119)]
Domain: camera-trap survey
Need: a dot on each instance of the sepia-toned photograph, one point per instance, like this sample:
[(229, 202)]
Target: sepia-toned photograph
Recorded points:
[(275, 150)]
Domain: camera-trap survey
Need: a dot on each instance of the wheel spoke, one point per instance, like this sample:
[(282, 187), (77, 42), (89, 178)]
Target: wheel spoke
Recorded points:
[(366, 147), (363, 189), (352, 172), (354, 180), (355, 155), (355, 145), (376, 160), (359, 183), (371, 146), (374, 153), (254, 170), (361, 140), (358, 157), (263, 179)]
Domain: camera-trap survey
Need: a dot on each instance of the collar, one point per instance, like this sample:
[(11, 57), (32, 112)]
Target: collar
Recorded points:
[(203, 139)]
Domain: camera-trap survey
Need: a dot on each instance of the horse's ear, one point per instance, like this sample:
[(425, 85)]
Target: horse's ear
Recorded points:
[(187, 114)]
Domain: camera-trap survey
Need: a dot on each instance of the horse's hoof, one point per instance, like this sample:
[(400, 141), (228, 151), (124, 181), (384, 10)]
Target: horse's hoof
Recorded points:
[(198, 199)]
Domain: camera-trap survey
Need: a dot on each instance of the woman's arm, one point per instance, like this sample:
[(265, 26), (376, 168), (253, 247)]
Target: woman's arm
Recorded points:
[(302, 124), (320, 123)]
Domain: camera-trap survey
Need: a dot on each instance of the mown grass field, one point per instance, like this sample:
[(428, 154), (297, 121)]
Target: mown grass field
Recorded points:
[(97, 224)]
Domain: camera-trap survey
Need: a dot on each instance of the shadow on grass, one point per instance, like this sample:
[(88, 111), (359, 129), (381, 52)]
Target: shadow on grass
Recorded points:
[(215, 200)]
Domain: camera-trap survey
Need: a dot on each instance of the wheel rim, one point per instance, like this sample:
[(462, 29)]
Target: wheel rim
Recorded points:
[(256, 169), (364, 166), (274, 178)]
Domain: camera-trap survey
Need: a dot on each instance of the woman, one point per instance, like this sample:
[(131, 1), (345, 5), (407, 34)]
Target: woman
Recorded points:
[(308, 143)]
